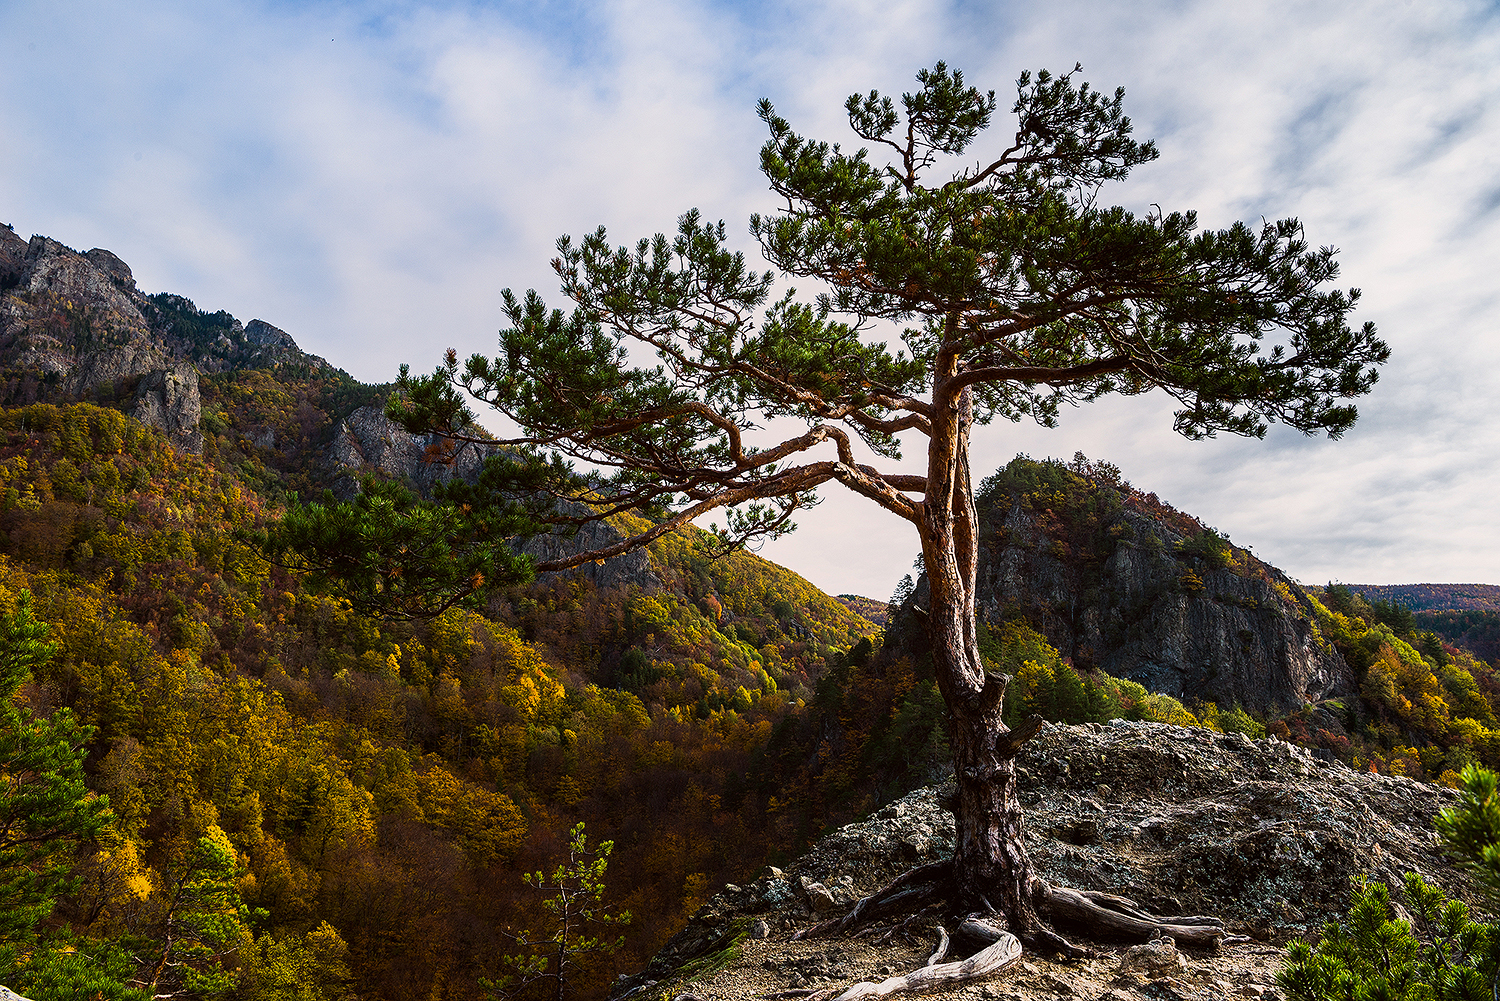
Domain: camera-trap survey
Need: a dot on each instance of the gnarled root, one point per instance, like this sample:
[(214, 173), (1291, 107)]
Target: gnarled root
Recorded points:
[(1104, 915), (912, 890), (1004, 950), (1098, 915)]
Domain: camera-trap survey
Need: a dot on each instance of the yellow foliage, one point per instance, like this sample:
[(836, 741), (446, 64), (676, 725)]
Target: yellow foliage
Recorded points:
[(1165, 709)]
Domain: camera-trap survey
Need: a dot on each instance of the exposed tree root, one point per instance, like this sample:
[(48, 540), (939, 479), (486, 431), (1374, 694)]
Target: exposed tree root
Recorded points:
[(1104, 915), (904, 927), (1005, 949), (941, 952), (913, 889), (1098, 915)]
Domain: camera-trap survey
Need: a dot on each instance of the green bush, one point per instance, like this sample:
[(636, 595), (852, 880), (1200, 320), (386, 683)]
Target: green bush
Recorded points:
[(1437, 951), (1440, 954)]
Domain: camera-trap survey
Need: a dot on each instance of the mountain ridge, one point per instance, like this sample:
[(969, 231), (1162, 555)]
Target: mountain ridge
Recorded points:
[(1434, 597)]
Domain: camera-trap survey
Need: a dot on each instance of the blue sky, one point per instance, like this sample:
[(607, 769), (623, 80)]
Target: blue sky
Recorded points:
[(369, 176)]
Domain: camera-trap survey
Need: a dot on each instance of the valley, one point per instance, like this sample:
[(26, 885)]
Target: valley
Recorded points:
[(377, 788)]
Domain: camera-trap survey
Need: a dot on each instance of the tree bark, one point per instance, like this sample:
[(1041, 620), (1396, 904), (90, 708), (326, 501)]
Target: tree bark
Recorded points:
[(991, 868)]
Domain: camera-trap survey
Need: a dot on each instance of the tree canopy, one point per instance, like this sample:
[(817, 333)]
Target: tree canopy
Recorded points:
[(1009, 278)]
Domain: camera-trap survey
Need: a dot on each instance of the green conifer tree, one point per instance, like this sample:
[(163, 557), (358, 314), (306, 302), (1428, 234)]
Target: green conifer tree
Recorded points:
[(46, 812), (574, 896)]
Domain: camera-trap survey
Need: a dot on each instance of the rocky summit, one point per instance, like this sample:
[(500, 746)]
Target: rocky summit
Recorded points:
[(1118, 581), (74, 326), (1262, 833)]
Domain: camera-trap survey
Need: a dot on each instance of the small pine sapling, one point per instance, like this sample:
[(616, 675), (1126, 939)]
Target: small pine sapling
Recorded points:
[(575, 897), (1436, 950)]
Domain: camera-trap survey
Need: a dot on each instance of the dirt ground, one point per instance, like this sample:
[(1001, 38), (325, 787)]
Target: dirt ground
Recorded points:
[(771, 966)]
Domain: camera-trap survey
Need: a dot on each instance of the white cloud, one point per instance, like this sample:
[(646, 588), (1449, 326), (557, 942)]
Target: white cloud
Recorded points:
[(368, 176)]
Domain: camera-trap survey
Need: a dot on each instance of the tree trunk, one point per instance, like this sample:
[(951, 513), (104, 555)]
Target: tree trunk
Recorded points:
[(991, 868)]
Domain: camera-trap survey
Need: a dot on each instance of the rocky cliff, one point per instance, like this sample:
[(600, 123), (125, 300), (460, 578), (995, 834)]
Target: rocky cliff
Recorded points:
[(367, 441), (74, 326), (1118, 581), (1261, 833)]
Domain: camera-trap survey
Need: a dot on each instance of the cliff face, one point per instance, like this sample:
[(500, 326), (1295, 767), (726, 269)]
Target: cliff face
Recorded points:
[(74, 326), (367, 441), (1118, 581)]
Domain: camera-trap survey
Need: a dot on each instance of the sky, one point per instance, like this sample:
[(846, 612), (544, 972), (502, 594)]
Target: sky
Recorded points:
[(370, 175)]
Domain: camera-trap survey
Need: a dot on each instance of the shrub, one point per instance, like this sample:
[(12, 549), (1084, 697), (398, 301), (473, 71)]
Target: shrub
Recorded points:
[(1436, 953)]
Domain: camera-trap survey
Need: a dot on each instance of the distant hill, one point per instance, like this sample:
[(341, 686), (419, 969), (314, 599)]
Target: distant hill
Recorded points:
[(1119, 581), (871, 608), (1419, 597)]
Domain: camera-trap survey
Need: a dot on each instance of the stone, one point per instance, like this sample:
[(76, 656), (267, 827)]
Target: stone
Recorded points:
[(12, 257), (778, 895), (843, 890), (759, 929), (1156, 959), (818, 896), (75, 327)]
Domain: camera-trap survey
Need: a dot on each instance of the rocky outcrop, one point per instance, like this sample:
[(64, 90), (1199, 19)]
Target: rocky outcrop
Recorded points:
[(169, 399), (1261, 833), (632, 569), (367, 441), (1150, 611), (75, 327), (12, 257), (1127, 585)]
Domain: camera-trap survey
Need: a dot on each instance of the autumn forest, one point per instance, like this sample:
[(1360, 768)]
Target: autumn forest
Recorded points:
[(289, 798)]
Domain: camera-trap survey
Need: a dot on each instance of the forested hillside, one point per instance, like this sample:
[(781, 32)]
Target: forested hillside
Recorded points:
[(1424, 597), (373, 790), (380, 784), (303, 800), (1466, 615)]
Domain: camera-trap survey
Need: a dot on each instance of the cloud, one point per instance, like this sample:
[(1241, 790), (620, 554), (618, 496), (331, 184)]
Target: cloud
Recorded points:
[(369, 175)]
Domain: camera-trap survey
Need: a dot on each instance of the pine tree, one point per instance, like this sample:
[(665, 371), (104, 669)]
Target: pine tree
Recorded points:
[(46, 813), (1017, 291), (574, 896)]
